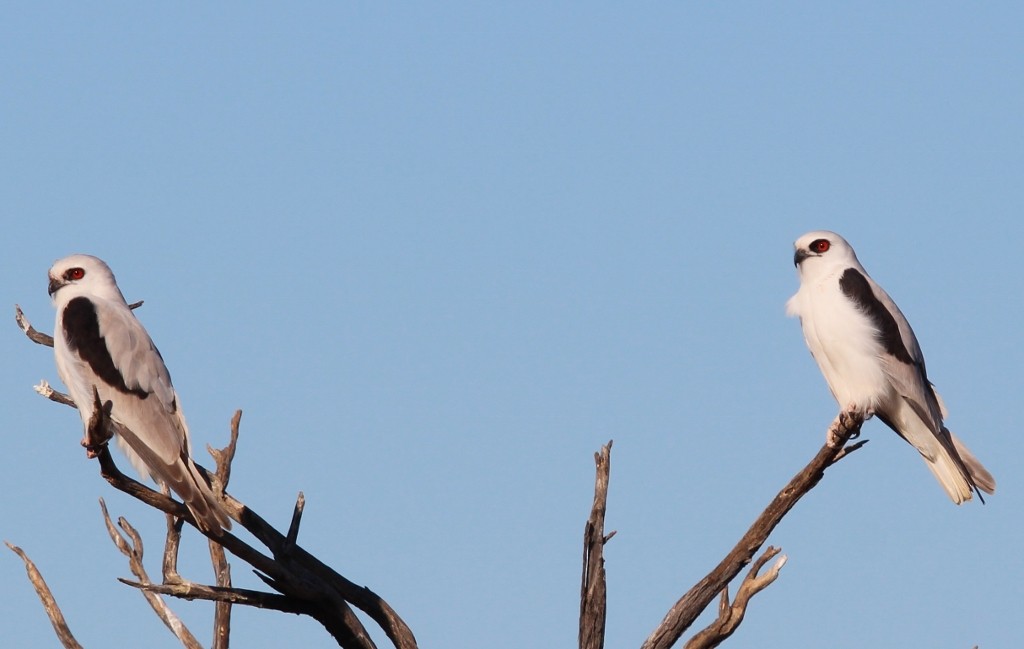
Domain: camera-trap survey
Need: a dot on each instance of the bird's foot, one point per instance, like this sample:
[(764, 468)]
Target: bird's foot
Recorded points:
[(846, 425), (97, 431)]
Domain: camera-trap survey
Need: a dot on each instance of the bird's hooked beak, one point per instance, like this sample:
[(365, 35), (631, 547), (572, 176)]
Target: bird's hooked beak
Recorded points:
[(55, 284), (798, 256)]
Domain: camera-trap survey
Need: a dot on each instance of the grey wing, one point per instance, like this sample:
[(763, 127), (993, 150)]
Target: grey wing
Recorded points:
[(155, 418), (910, 380)]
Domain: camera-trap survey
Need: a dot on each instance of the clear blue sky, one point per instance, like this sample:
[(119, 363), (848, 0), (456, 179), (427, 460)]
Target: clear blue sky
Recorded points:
[(439, 255)]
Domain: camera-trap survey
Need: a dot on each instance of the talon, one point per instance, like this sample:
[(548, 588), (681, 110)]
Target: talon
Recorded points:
[(92, 451)]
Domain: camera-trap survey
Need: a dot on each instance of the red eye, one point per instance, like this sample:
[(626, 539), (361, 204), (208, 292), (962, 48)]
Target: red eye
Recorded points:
[(820, 245), (75, 273)]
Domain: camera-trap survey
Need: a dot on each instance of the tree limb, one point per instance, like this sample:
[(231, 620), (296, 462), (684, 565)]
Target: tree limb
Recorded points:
[(594, 590), (60, 625), (134, 552), (681, 616)]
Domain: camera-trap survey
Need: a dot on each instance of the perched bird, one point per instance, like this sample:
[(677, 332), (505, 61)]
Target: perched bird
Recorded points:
[(871, 360), (99, 344)]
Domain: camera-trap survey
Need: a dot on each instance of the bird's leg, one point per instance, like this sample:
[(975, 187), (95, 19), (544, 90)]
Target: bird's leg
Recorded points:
[(97, 431)]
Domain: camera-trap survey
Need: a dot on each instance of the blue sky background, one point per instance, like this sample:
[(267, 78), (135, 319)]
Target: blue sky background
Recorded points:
[(440, 254)]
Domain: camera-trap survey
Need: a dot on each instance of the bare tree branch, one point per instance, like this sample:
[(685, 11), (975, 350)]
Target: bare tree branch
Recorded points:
[(190, 591), (685, 611), (30, 331), (314, 588), (134, 552), (594, 590), (38, 336), (730, 615), (60, 625), (221, 568)]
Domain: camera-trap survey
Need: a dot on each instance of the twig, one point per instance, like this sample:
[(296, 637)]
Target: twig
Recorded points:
[(293, 529), (685, 611), (594, 590), (30, 331), (221, 568), (45, 389), (730, 615), (134, 552), (39, 337), (191, 591), (60, 625)]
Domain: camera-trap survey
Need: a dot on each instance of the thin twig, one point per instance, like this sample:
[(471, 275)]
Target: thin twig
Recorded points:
[(291, 538), (39, 337), (35, 336), (254, 598), (60, 625)]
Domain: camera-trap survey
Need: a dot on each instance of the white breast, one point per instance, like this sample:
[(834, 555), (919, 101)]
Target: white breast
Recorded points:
[(843, 342)]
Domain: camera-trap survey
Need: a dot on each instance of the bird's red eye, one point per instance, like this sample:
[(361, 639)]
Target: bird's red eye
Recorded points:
[(820, 245), (74, 273)]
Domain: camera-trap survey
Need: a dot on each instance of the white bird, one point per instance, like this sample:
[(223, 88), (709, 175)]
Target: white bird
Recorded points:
[(871, 360), (100, 344)]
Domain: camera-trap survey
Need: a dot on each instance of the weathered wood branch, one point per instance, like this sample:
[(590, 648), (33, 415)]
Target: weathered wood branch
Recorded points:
[(134, 552), (731, 614), (60, 625), (221, 569), (594, 589), (682, 615)]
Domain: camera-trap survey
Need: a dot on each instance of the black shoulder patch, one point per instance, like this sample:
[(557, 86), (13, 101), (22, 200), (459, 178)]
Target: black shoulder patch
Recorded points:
[(82, 331), (856, 287)]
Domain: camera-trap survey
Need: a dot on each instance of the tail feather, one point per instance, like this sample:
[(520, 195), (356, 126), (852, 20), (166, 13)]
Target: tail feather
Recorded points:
[(949, 474), (958, 470), (980, 476)]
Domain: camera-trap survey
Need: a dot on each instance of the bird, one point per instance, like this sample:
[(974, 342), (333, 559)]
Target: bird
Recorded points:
[(871, 359), (104, 354)]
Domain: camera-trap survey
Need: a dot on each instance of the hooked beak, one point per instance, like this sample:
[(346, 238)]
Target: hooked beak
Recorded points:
[(54, 285), (798, 256)]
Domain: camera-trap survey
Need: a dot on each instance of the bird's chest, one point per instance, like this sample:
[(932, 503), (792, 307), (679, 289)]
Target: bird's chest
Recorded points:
[(844, 343)]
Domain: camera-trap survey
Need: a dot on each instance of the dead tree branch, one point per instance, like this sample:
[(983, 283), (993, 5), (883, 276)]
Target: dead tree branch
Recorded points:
[(594, 589), (60, 625), (730, 615), (681, 616), (134, 552), (306, 585)]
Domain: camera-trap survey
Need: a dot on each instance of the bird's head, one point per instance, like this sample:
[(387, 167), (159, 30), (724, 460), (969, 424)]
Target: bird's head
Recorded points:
[(822, 251), (82, 275)]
